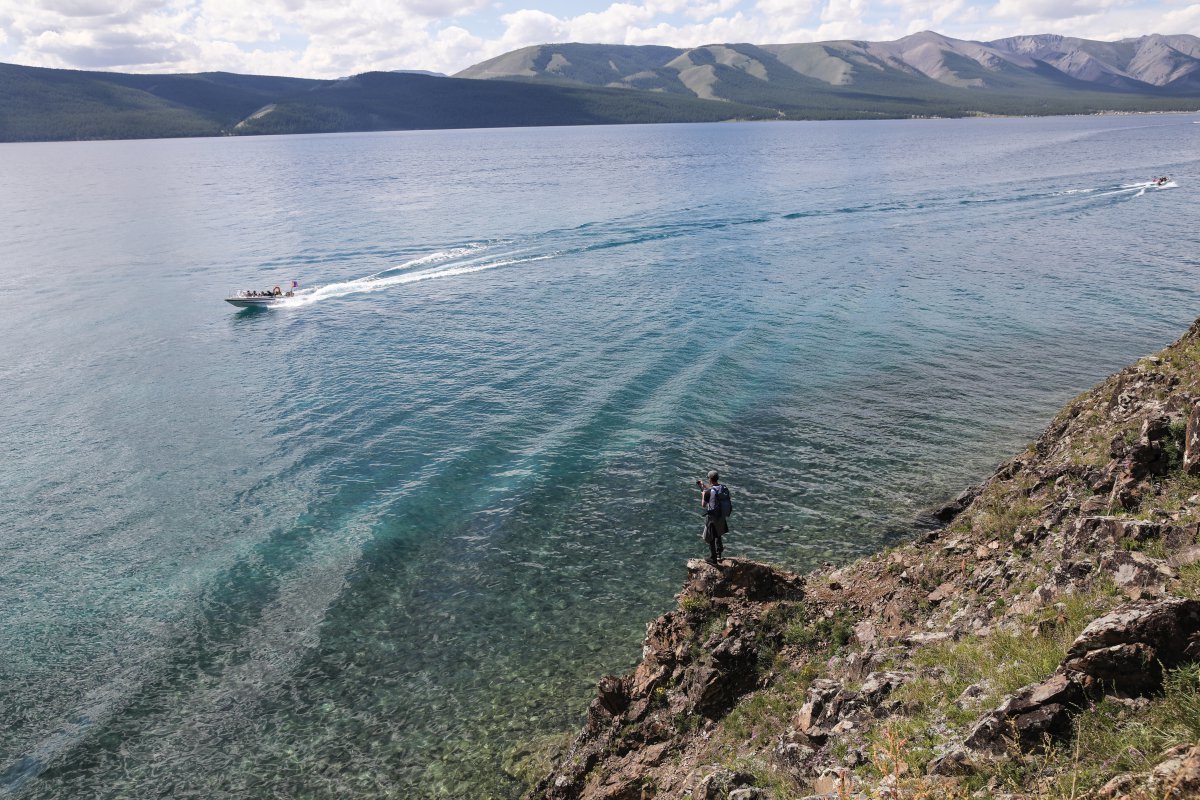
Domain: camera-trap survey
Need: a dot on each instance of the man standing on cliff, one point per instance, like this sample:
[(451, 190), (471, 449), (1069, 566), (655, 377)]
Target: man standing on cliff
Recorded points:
[(714, 499)]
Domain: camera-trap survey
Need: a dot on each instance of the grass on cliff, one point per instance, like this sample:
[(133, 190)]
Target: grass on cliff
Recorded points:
[(1172, 493), (1001, 510), (1182, 361), (754, 725), (1111, 737), (1189, 582), (998, 665), (1114, 737)]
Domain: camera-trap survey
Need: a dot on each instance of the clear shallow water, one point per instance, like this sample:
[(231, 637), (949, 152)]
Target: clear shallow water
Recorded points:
[(373, 541)]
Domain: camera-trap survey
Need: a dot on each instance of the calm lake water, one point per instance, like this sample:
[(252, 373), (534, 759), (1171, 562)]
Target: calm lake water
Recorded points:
[(367, 544)]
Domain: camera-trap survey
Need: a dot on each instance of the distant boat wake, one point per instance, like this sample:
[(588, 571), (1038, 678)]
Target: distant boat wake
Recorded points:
[(475, 257)]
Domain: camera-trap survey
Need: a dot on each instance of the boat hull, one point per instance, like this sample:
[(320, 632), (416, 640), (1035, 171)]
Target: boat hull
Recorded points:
[(254, 302)]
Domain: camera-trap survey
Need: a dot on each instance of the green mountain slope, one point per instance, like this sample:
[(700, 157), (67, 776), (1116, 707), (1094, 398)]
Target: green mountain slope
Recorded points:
[(44, 104), (59, 104), (387, 101)]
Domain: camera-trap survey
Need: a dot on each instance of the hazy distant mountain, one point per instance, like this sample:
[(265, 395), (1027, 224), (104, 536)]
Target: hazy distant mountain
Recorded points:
[(1024, 74), (1171, 62), (50, 104)]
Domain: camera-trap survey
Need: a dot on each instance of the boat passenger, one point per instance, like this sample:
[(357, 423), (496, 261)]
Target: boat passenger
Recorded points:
[(277, 292)]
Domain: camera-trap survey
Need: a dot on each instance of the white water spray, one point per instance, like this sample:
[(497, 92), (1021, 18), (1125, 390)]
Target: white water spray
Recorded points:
[(1138, 189)]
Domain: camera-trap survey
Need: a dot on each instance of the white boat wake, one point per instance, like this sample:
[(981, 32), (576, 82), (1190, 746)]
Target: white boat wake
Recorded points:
[(1140, 188), (440, 264)]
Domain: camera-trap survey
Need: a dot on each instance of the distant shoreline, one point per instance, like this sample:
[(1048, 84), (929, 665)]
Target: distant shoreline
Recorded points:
[(608, 125)]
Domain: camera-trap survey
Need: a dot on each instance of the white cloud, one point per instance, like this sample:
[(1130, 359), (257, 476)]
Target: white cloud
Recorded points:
[(530, 26), (1182, 19), (1050, 10)]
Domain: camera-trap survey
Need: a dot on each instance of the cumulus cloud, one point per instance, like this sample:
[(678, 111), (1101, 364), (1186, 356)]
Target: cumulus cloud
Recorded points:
[(331, 38), (1049, 10), (1182, 19)]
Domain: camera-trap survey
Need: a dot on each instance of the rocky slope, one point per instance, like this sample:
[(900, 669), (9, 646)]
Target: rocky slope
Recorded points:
[(1043, 643)]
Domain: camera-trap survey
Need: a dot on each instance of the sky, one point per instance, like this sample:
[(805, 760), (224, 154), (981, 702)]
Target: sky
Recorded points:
[(335, 38)]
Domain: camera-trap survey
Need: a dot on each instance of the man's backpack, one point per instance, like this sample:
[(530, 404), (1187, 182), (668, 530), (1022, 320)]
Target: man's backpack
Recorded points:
[(719, 502)]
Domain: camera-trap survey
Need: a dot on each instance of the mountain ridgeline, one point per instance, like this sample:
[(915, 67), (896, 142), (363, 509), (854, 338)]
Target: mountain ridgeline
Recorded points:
[(922, 75)]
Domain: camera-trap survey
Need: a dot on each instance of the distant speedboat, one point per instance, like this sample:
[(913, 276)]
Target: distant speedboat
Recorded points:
[(264, 299)]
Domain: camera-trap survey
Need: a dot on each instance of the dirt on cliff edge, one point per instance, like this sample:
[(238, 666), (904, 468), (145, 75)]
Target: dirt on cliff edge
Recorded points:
[(1044, 643)]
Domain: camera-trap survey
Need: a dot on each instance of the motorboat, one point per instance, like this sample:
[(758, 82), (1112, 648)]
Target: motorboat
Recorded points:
[(253, 299)]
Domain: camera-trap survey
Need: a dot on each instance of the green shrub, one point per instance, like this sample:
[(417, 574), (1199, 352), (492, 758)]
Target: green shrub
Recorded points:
[(696, 605), (1173, 446), (834, 631)]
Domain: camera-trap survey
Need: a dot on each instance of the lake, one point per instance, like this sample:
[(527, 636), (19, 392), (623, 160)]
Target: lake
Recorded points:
[(373, 542)]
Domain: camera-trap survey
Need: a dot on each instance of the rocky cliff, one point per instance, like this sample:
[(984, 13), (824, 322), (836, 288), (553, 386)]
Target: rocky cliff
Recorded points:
[(1043, 643)]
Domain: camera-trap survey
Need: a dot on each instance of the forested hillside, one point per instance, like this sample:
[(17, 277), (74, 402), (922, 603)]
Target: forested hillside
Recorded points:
[(45, 105)]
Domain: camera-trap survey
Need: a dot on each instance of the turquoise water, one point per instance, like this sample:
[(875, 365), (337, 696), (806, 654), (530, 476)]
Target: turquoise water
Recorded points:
[(371, 542)]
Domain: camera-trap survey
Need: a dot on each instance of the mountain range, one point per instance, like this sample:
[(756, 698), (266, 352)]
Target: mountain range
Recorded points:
[(922, 68), (925, 74)]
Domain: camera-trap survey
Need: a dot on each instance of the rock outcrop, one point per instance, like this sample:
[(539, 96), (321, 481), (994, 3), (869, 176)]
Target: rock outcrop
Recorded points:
[(696, 663), (1123, 653), (1063, 588)]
